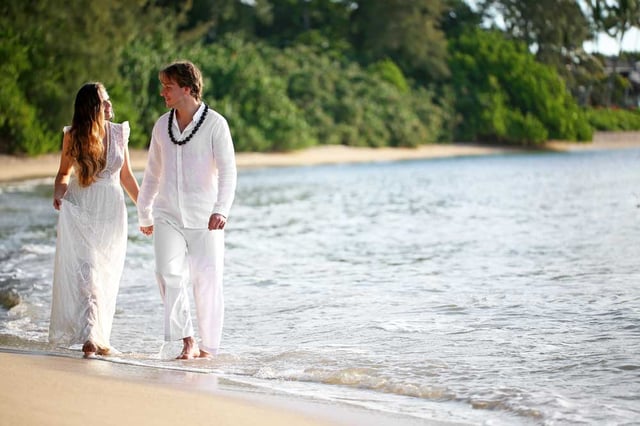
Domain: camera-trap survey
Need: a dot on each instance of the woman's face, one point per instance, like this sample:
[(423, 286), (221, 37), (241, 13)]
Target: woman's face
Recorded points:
[(106, 105)]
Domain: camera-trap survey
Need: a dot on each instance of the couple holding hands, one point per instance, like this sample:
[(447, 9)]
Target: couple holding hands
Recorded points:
[(183, 201)]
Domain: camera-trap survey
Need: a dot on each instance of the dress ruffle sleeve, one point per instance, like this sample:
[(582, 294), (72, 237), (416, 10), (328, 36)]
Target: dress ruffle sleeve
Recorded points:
[(126, 132)]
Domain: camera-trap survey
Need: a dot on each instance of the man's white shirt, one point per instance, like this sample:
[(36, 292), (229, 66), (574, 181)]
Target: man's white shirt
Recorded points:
[(189, 182)]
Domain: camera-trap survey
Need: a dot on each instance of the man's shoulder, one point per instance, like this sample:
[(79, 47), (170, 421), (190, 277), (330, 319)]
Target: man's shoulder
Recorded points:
[(163, 118), (162, 121), (215, 116)]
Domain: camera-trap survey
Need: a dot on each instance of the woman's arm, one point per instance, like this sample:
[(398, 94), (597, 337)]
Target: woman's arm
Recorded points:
[(150, 184), (127, 179), (64, 172)]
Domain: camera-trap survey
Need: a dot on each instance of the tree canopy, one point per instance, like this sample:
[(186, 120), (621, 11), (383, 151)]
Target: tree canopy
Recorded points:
[(293, 73)]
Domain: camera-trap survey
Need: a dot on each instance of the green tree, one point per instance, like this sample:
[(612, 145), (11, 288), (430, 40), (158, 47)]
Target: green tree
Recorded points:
[(615, 19), (504, 95), (320, 23), (20, 127), (61, 45), (458, 17), (408, 32), (241, 83), (546, 26), (207, 20), (136, 94), (554, 29)]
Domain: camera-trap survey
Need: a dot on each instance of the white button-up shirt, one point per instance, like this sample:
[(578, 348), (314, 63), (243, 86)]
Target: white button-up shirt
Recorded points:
[(188, 183)]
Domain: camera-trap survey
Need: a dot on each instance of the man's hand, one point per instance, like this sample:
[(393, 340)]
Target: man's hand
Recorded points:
[(146, 230), (217, 221)]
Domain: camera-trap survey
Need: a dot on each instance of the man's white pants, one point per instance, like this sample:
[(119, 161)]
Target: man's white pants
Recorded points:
[(204, 252)]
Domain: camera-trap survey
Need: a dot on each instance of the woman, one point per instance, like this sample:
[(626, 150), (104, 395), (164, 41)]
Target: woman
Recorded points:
[(92, 225)]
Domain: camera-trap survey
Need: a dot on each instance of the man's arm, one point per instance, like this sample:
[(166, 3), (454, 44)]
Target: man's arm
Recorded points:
[(227, 173), (150, 185)]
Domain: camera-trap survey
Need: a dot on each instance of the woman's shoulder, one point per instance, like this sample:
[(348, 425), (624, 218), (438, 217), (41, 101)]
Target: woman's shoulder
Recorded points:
[(124, 125), (122, 128)]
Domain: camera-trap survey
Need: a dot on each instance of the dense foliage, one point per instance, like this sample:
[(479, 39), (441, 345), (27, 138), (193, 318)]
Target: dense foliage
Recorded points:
[(614, 119), (504, 95), (289, 74)]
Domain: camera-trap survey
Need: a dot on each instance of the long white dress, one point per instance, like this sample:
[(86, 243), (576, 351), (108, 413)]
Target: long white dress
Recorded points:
[(90, 251)]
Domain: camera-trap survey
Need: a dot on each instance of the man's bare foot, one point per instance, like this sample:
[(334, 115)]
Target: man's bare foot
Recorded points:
[(204, 354), (89, 348), (190, 349)]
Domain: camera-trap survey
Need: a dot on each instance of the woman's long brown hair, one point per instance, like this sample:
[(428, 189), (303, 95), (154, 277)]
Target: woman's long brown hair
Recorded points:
[(87, 133)]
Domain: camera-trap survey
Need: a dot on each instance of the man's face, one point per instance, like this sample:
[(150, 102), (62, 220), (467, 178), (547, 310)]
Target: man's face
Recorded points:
[(172, 93)]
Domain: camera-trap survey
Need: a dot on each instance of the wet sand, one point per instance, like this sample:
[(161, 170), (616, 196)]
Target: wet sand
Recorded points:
[(40, 388), (52, 390)]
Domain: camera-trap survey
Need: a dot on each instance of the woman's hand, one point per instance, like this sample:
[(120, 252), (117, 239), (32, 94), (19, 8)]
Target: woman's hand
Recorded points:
[(147, 230)]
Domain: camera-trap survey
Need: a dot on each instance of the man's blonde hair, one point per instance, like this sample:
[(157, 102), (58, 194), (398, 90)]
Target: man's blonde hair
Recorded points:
[(185, 74)]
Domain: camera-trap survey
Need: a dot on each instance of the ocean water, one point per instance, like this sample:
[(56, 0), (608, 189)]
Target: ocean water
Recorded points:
[(501, 290)]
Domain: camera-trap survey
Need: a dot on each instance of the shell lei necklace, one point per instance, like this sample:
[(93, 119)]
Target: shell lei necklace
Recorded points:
[(193, 132)]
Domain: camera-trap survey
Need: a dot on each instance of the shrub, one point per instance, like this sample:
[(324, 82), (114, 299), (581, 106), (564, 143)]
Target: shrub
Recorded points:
[(503, 94), (609, 119)]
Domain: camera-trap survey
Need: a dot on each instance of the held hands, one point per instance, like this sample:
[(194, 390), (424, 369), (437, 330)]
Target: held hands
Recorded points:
[(147, 230), (217, 221)]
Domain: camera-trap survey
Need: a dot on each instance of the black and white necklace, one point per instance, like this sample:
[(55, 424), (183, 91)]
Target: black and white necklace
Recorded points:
[(193, 132)]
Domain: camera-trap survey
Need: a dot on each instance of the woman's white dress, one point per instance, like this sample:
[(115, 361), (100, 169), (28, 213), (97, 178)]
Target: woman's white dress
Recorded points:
[(90, 251)]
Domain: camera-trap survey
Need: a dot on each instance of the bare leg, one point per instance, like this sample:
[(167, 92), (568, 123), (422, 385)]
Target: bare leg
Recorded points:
[(89, 348), (189, 349)]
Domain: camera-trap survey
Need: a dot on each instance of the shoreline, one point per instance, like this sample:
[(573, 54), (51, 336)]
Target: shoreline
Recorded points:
[(75, 391), (69, 391), (15, 168)]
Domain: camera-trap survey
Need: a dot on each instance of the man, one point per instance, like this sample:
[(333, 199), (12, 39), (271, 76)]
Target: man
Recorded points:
[(186, 194)]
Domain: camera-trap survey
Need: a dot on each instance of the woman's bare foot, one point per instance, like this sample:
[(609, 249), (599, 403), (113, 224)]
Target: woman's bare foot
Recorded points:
[(190, 349), (89, 348), (103, 351)]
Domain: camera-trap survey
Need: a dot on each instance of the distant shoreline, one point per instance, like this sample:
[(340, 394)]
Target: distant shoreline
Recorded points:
[(14, 168)]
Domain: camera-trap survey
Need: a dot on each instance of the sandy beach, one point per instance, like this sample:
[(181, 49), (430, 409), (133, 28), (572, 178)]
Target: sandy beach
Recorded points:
[(46, 389), (19, 168), (53, 390), (14, 168)]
